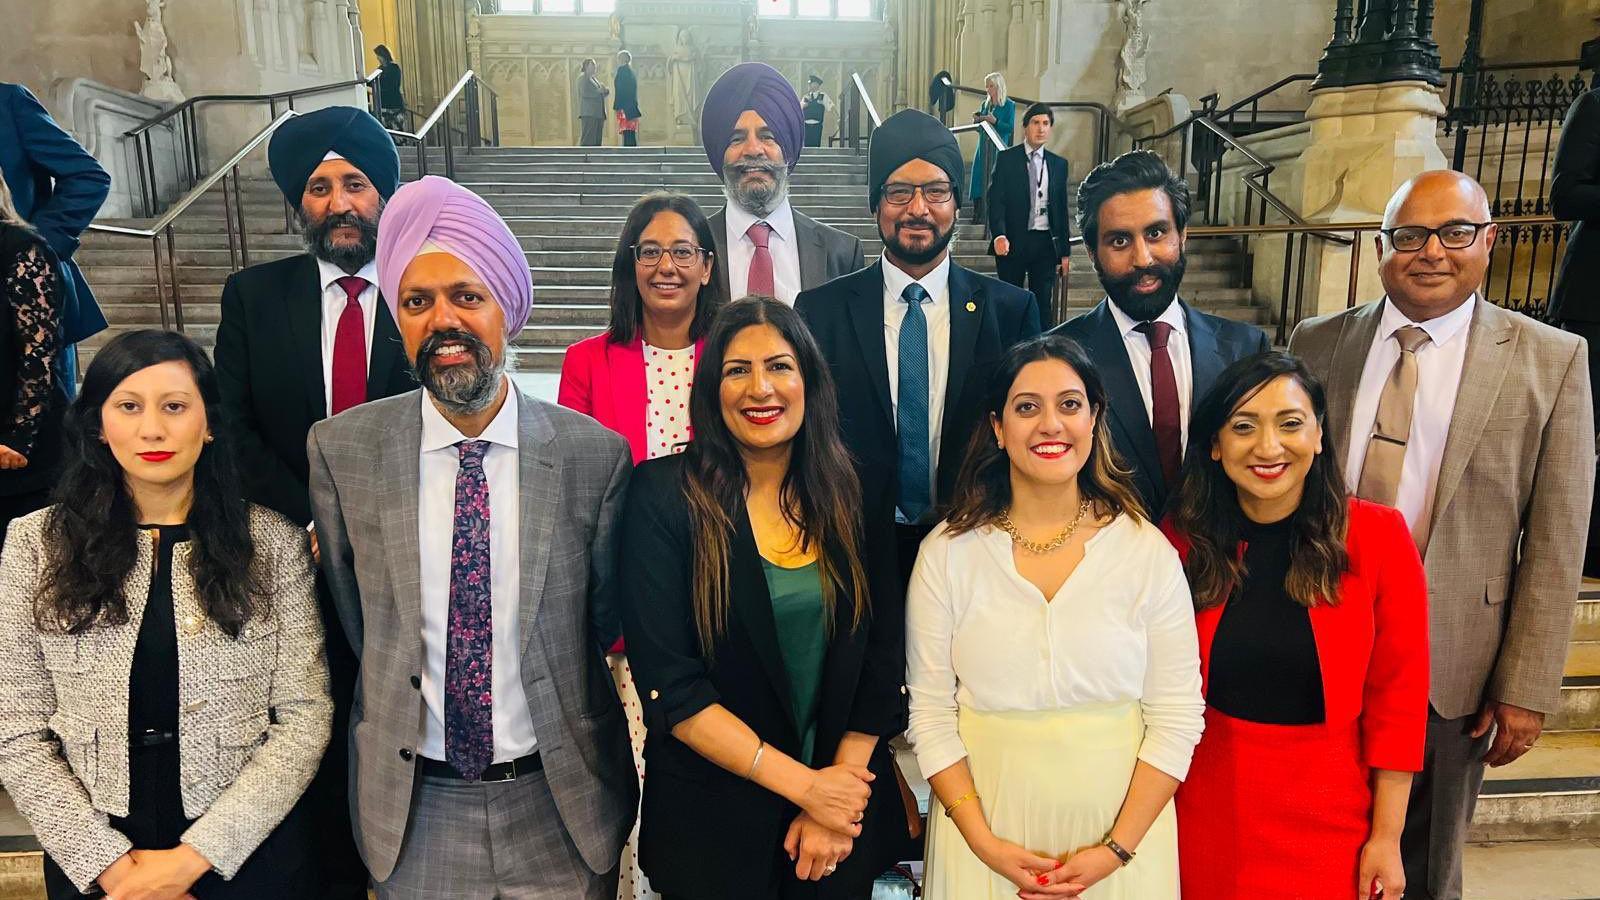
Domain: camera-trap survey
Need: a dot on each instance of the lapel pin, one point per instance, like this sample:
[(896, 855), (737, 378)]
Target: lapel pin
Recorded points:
[(972, 307)]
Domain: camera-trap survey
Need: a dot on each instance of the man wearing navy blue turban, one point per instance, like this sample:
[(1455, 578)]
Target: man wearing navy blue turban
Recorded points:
[(301, 339), (752, 130)]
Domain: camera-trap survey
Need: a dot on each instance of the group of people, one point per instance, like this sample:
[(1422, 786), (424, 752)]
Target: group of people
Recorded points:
[(1157, 607)]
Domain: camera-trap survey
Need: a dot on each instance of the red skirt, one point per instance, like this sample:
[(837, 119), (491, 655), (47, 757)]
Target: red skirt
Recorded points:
[(1273, 811)]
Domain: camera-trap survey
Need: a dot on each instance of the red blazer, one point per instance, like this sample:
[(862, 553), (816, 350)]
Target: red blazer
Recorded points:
[(606, 381), (1373, 646)]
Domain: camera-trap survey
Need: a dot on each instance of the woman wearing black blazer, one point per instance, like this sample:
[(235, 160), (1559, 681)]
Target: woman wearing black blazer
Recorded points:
[(766, 634)]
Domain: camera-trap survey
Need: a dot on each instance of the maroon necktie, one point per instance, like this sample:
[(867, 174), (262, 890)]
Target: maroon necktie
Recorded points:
[(760, 279), (350, 349), (1164, 401)]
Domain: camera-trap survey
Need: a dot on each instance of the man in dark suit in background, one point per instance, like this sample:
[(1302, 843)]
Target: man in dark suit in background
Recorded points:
[(303, 338), (1157, 355), (1028, 213), (626, 102), (911, 340)]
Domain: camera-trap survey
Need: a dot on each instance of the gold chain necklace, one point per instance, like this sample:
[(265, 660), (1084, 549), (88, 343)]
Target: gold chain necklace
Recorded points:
[(1055, 543)]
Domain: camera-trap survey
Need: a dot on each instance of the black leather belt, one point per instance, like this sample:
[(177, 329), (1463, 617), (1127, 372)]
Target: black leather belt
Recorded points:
[(151, 738), (506, 771)]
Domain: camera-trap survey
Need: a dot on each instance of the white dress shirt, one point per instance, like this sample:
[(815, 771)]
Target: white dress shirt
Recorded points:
[(1439, 365), (782, 244), (1041, 211), (333, 303), (1138, 346), (440, 461), (937, 312), (980, 636)]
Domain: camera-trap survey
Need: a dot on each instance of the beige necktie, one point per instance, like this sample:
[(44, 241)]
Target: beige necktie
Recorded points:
[(1391, 429)]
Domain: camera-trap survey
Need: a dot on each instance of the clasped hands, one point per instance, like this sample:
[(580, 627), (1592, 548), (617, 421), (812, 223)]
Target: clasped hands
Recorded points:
[(832, 808), (1043, 877), (154, 874)]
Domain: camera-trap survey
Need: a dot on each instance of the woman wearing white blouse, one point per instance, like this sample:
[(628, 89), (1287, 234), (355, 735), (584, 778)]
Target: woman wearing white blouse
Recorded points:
[(1051, 654)]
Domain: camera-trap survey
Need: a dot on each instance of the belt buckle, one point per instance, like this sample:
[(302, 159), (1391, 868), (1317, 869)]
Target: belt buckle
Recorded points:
[(510, 773)]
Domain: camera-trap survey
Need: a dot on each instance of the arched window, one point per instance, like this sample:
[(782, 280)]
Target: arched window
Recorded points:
[(560, 7), (818, 9)]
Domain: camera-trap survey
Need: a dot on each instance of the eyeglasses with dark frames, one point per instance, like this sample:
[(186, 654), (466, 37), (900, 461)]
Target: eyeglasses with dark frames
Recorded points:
[(1452, 235), (682, 254), (899, 193)]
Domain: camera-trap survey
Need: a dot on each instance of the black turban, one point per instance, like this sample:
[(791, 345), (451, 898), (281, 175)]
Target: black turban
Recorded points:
[(762, 88), (907, 135), (301, 144)]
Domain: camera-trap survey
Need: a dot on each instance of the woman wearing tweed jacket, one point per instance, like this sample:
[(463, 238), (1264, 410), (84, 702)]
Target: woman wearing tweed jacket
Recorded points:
[(163, 694)]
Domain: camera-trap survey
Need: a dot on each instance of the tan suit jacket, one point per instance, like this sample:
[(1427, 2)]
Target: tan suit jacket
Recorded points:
[(1511, 505)]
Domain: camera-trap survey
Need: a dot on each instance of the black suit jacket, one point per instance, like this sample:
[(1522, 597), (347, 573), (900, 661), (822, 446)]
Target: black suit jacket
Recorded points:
[(987, 316), (269, 368), (627, 96), (1214, 344), (705, 832), (1010, 207), (1575, 195)]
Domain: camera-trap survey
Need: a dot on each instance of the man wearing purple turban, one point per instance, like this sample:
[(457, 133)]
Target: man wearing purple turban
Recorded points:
[(752, 130), (467, 534)]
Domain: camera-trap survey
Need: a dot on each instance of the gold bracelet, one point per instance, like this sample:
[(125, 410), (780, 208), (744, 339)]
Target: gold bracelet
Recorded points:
[(949, 811), (756, 762)]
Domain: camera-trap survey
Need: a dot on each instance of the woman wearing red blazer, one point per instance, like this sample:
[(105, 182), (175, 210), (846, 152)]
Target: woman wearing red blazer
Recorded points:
[(634, 378), (1311, 608)]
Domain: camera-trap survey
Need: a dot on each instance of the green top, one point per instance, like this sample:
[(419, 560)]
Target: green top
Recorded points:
[(802, 639)]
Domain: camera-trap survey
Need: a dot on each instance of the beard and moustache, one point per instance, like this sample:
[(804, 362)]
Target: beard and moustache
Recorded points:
[(758, 199), (461, 388), (914, 257), (318, 238), (1145, 307)]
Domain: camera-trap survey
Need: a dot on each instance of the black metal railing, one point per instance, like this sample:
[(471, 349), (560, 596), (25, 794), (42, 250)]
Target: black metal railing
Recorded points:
[(1104, 119), (447, 125), (858, 116)]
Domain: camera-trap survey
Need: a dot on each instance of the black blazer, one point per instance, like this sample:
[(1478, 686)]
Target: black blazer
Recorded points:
[(1575, 195), (1010, 207), (706, 833), (1214, 344), (44, 453), (987, 316), (627, 95), (269, 369)]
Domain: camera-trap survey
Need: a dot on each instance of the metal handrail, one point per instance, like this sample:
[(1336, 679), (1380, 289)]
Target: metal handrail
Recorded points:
[(994, 136), (441, 112), (1258, 95), (1104, 115), (861, 88), (192, 102), (1263, 170)]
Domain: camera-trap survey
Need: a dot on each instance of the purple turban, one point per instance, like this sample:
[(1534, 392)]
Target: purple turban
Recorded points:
[(437, 211), (756, 86)]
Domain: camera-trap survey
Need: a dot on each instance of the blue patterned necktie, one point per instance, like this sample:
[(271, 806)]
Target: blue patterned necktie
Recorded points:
[(911, 410), (469, 661)]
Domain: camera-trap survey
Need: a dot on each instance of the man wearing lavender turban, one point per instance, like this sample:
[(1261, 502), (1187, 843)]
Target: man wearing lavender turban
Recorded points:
[(467, 533), (752, 130)]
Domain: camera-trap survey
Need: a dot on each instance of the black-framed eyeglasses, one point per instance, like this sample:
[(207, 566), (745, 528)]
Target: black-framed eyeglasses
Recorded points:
[(682, 254), (1452, 236), (899, 194)]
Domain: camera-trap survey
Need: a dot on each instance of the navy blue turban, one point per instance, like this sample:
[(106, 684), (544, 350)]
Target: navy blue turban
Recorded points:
[(303, 142), (756, 86), (907, 135)]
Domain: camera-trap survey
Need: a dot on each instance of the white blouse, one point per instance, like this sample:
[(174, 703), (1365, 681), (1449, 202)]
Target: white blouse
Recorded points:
[(668, 376), (1121, 628)]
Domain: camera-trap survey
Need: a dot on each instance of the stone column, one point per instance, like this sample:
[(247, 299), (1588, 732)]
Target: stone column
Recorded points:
[(1016, 60), (966, 61)]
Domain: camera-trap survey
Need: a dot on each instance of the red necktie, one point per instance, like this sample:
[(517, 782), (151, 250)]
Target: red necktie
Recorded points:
[(350, 349), (1164, 401), (760, 280)]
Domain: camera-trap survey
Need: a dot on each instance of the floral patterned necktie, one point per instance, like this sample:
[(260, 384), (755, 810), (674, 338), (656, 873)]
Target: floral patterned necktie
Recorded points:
[(469, 661)]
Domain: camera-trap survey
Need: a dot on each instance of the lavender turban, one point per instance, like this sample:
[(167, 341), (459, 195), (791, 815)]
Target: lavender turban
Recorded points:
[(439, 211), (756, 86)]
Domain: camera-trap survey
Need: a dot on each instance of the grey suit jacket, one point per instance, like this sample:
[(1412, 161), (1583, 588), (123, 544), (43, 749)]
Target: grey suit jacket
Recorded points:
[(825, 251), (591, 98), (1507, 535), (573, 474)]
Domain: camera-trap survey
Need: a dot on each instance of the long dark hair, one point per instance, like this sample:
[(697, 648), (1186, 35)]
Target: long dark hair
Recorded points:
[(91, 535), (627, 305), (820, 495), (983, 486), (1206, 511)]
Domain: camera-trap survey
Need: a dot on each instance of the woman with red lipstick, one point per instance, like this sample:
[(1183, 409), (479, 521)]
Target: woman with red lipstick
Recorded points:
[(1051, 661), (764, 628), (1311, 607)]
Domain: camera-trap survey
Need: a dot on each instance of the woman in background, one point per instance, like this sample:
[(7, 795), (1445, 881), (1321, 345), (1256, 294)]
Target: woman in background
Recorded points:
[(1000, 111)]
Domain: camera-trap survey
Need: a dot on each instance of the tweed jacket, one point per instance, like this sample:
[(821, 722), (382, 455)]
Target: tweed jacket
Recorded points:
[(253, 714), (1505, 547), (572, 476)]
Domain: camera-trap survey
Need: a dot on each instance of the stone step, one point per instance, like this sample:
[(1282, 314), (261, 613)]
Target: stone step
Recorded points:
[(1551, 793), (1532, 870)]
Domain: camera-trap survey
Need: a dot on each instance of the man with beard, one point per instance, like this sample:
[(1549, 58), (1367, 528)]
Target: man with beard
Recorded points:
[(751, 128), (468, 535), (303, 338), (1156, 354), (911, 340)]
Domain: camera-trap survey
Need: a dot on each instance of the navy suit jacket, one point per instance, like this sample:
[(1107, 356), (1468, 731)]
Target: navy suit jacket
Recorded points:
[(57, 187), (1214, 344)]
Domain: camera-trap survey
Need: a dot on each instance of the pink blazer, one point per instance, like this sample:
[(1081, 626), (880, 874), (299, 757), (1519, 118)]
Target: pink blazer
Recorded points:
[(606, 381)]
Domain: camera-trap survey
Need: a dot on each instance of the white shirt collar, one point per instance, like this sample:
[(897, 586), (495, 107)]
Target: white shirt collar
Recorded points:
[(1030, 149), (329, 273), (438, 433), (936, 283), (1441, 330), (781, 220), (1172, 315)]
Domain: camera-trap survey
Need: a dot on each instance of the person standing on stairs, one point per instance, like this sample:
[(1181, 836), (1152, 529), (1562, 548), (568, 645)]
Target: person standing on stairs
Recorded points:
[(1476, 423), (751, 128), (815, 105), (391, 98), (1029, 219), (627, 101), (1157, 353), (303, 338), (591, 105)]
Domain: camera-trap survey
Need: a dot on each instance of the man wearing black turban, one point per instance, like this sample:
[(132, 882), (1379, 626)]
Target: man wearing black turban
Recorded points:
[(300, 339), (913, 339), (751, 128)]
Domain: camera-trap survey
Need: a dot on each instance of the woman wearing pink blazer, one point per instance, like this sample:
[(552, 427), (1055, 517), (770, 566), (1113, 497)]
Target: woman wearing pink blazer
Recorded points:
[(634, 378)]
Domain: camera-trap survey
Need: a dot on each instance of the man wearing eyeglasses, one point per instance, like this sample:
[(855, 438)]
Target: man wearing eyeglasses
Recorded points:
[(1475, 422), (912, 339)]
